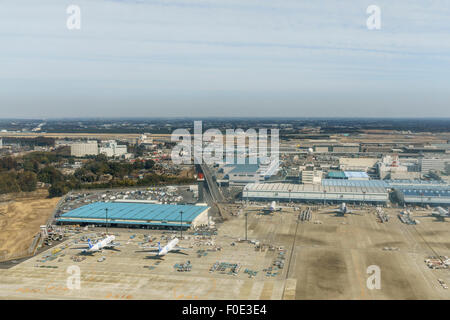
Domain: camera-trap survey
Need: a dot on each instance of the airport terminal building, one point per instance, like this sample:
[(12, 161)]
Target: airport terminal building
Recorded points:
[(423, 195), (140, 215), (315, 193)]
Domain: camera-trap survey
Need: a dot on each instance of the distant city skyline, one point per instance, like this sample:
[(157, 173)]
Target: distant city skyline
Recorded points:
[(211, 58)]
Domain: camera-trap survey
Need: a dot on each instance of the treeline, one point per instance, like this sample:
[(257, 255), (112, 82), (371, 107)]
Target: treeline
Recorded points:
[(23, 174), (17, 181), (32, 161), (94, 169)]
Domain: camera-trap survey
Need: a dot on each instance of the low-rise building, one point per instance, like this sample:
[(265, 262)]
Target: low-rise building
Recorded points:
[(311, 175), (83, 149), (111, 149), (357, 164), (433, 164)]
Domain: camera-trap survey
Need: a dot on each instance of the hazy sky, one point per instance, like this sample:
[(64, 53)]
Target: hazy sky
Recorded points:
[(192, 58)]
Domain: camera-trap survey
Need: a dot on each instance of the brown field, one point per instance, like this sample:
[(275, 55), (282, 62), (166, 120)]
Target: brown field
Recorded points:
[(20, 220)]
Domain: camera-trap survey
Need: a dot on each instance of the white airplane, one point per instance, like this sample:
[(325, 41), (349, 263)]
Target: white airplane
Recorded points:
[(440, 213), (171, 246), (272, 207), (106, 243), (268, 208), (343, 209)]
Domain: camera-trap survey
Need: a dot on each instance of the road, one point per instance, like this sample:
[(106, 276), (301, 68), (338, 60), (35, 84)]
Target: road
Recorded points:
[(213, 188)]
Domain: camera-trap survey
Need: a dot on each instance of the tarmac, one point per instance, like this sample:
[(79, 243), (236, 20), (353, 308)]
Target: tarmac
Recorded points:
[(325, 258)]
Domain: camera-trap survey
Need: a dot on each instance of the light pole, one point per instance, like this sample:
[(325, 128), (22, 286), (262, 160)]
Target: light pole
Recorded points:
[(181, 224), (246, 217), (364, 198), (106, 220), (247, 196), (324, 196), (289, 196)]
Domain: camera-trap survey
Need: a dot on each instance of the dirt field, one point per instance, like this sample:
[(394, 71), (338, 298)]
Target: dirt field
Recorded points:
[(20, 220)]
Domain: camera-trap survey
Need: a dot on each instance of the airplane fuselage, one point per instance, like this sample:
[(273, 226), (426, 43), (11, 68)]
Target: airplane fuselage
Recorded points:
[(101, 244), (167, 248), (343, 208)]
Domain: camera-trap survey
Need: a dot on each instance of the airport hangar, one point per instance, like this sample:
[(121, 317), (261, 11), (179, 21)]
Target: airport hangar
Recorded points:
[(138, 215), (357, 192)]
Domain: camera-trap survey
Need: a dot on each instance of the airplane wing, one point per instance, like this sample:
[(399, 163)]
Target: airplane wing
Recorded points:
[(151, 253), (80, 248), (181, 248), (112, 245), (148, 249)]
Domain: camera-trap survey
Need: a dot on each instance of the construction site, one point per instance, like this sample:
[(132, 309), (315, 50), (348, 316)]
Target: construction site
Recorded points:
[(298, 252)]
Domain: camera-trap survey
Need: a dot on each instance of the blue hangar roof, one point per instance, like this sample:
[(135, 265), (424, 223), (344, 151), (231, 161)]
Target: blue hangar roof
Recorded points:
[(441, 192), (133, 213)]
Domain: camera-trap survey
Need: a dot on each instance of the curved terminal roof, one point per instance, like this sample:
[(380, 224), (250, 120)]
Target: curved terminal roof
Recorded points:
[(146, 213), (317, 188)]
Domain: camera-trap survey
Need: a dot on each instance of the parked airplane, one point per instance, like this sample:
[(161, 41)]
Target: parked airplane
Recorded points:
[(343, 209), (272, 207), (169, 247), (269, 208), (439, 213), (106, 243)]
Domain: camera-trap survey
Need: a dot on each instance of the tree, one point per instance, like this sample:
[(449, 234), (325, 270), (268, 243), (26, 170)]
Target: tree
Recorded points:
[(27, 181), (84, 175), (50, 175), (31, 165), (57, 190), (7, 163), (8, 183)]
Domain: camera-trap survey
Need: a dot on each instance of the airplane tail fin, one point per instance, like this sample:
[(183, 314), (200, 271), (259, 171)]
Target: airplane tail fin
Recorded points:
[(159, 246), (89, 243)]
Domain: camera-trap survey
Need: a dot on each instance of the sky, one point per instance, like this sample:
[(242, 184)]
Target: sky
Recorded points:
[(224, 58)]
